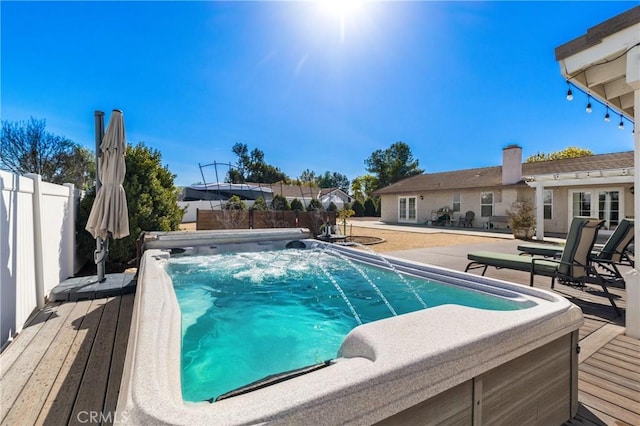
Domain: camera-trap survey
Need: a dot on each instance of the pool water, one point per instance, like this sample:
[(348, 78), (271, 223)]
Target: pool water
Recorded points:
[(249, 315)]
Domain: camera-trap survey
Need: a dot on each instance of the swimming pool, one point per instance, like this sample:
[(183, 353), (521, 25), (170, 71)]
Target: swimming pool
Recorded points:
[(249, 315), (445, 362)]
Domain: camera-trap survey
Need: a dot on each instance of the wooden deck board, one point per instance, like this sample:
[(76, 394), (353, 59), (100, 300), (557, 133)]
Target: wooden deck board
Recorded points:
[(26, 408), (620, 368), (21, 370), (610, 385), (57, 407), (612, 410), (31, 329), (93, 386), (118, 356)]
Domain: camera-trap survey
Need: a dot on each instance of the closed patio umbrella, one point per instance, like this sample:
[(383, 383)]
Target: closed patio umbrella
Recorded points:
[(109, 214)]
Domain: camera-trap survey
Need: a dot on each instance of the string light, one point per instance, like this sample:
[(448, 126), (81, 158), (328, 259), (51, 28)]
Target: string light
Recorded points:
[(589, 106)]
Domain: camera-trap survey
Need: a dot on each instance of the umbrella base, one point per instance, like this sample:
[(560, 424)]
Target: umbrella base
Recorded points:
[(78, 288)]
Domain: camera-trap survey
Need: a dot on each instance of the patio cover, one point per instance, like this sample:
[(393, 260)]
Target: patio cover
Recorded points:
[(605, 62)]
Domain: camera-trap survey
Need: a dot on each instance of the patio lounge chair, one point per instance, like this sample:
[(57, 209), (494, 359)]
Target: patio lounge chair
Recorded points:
[(614, 252), (575, 265)]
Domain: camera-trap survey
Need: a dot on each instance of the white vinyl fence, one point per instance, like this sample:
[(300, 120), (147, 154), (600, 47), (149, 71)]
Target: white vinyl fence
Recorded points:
[(37, 245)]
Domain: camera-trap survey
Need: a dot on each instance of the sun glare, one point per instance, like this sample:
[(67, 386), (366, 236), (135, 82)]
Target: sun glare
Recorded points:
[(342, 10)]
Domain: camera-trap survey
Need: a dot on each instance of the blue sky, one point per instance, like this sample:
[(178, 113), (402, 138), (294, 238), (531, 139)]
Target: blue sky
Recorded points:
[(456, 81)]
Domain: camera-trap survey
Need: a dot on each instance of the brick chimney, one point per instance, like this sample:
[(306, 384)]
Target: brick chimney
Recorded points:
[(511, 164)]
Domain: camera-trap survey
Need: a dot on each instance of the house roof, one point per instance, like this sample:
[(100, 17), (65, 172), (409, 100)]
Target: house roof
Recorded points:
[(491, 177)]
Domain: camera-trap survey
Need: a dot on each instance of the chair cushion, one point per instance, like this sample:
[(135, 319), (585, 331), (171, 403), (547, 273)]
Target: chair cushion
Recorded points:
[(513, 261), (546, 250)]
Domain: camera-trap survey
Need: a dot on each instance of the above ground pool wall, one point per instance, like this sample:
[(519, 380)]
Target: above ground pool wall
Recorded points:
[(485, 367)]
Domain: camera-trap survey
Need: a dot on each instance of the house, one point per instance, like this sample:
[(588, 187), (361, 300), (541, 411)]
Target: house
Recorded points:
[(597, 186)]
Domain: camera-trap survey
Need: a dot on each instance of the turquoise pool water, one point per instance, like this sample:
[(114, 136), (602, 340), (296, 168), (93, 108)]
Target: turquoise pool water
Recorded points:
[(249, 315)]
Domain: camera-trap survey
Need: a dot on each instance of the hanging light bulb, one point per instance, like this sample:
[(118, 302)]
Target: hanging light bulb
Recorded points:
[(588, 108), (569, 92), (621, 125), (607, 117)]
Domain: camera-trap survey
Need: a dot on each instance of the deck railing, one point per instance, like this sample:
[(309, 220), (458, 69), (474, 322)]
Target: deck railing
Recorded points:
[(37, 245)]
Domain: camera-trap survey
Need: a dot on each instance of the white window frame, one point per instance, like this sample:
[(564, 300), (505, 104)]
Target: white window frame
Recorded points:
[(455, 203), (544, 204), (595, 201), (405, 214), (482, 194)]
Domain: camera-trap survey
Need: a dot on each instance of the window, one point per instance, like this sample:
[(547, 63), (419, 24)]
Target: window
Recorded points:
[(582, 204), (547, 203), (407, 209), (456, 202), (486, 204)]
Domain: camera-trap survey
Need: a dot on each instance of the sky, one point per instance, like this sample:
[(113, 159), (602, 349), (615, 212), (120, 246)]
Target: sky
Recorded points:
[(311, 86)]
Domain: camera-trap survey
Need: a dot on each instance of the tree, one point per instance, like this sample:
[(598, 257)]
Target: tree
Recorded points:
[(392, 164), (253, 168), (234, 203), (370, 209), (314, 205), (332, 207), (152, 204), (363, 186), (280, 203), (260, 204), (568, 152), (297, 205), (358, 208), (308, 177), (333, 180), (26, 147)]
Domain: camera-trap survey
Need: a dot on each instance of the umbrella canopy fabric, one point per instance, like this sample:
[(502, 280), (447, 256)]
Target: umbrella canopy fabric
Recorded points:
[(109, 213)]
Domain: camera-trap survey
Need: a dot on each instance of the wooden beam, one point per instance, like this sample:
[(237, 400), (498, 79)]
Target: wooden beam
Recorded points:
[(604, 73), (617, 87)]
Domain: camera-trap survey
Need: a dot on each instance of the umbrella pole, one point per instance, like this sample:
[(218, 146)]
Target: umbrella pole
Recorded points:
[(99, 256)]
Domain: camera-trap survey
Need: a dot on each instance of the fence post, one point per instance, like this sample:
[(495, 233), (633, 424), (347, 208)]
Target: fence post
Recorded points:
[(70, 239), (38, 253)]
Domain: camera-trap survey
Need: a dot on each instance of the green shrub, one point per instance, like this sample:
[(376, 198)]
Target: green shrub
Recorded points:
[(280, 203), (332, 207), (296, 205), (370, 208), (358, 208), (314, 205), (234, 203), (260, 204)]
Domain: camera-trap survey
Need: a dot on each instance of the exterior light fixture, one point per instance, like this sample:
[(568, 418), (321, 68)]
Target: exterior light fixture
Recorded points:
[(607, 117), (588, 108)]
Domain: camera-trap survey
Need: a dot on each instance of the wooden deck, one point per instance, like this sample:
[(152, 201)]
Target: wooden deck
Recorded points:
[(66, 365)]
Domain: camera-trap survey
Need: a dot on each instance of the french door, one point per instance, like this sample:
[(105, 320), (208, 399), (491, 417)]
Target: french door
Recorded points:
[(407, 209), (605, 204)]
